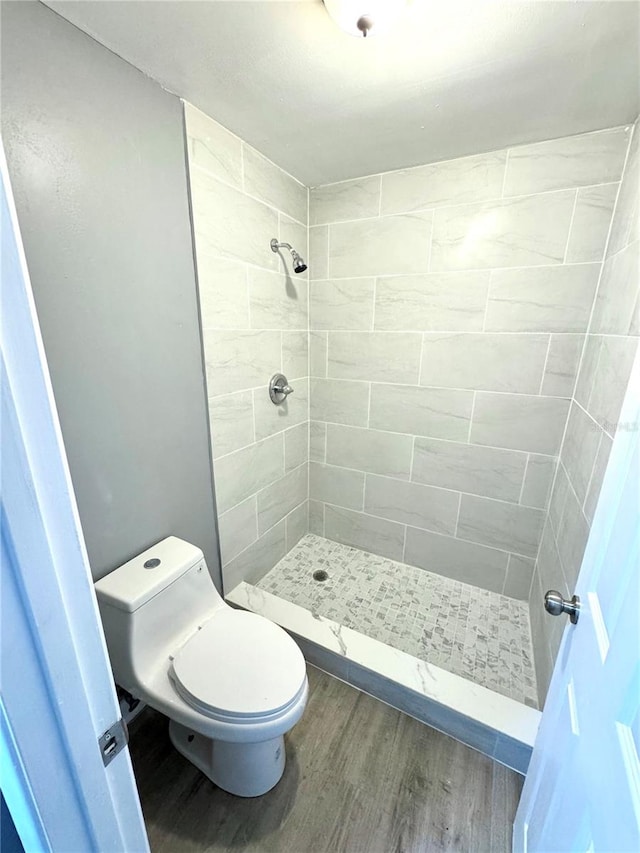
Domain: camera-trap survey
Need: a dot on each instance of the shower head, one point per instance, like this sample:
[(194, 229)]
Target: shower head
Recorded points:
[(298, 264)]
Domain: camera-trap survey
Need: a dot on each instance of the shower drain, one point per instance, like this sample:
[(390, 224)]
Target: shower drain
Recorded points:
[(320, 575)]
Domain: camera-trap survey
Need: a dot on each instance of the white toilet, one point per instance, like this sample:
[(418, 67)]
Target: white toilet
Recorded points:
[(231, 682)]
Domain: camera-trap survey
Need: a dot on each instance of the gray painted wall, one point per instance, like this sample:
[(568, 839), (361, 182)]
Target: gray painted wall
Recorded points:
[(97, 162)]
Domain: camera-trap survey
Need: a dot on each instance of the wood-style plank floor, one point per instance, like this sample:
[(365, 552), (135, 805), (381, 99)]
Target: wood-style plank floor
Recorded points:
[(360, 778)]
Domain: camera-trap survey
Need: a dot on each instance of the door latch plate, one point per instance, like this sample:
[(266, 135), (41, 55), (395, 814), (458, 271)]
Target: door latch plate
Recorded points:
[(113, 741)]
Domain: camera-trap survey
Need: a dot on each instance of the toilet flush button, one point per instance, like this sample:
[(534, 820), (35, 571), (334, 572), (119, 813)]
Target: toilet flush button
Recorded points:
[(152, 564)]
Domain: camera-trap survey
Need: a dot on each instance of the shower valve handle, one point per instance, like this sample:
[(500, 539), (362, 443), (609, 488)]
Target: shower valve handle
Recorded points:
[(279, 388)]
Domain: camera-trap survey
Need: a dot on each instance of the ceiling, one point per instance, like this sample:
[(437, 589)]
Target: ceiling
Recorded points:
[(452, 78)]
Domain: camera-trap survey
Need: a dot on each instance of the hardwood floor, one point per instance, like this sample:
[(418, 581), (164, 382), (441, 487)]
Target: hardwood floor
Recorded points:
[(360, 778)]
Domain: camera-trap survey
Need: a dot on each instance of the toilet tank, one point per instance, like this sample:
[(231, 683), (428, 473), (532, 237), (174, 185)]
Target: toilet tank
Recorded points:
[(151, 605)]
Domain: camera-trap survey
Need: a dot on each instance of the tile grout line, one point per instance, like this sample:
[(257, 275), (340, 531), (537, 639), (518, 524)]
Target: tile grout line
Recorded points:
[(524, 479), (569, 232), (544, 366), (504, 177), (471, 415), (486, 304)]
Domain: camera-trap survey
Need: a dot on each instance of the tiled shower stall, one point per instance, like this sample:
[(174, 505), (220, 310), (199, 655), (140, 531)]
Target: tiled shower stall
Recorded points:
[(459, 350)]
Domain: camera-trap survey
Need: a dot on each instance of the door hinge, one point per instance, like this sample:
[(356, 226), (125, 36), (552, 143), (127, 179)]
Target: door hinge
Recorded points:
[(113, 741)]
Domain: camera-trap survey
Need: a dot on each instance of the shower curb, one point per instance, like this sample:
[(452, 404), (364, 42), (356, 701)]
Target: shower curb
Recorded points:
[(495, 725)]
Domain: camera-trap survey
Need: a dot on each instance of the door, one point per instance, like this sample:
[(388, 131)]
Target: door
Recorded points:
[(57, 696), (582, 791)]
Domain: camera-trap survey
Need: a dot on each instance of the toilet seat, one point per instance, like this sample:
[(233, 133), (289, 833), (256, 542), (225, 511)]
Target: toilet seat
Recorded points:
[(238, 667)]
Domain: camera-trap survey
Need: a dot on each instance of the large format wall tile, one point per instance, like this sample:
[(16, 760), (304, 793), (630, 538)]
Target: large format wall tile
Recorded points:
[(572, 539), (369, 450), (500, 525), (519, 422), (437, 302), (243, 473), (527, 231), (338, 486), (411, 503), (224, 293), (626, 224), (457, 559), (297, 525), (538, 480), (340, 401), (450, 182), (231, 422), (277, 301), (484, 361), (561, 369), (579, 450), (392, 245), (280, 497), (487, 471), (319, 251), (270, 419), (597, 476), (359, 199), (517, 583), (296, 446), (364, 531), (574, 161), (591, 220), (239, 360), (295, 355), (318, 346), (542, 299), (230, 224), (437, 412), (240, 201), (607, 357), (238, 528), (342, 304), (256, 560), (617, 308), (266, 181), (213, 148), (374, 356), (608, 382), (297, 235), (317, 441)]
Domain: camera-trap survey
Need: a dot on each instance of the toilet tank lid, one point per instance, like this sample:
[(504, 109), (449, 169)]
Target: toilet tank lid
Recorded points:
[(134, 583)]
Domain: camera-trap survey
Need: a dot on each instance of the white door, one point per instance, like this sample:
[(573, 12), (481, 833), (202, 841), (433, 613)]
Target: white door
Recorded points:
[(56, 692), (582, 791)]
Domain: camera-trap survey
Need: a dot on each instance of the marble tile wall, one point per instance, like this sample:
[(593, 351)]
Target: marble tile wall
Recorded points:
[(448, 307), (609, 348), (254, 314)]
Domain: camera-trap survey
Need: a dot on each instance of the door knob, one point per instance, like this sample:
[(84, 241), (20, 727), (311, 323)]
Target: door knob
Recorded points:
[(555, 604)]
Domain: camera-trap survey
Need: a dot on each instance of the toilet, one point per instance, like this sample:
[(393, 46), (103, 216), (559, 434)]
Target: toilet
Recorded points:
[(232, 683)]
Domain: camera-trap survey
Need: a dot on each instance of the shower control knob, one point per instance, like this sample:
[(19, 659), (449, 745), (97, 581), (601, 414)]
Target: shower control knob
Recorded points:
[(556, 605), (279, 388)]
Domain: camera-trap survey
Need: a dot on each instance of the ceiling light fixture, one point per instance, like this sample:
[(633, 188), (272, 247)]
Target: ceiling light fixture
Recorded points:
[(364, 17)]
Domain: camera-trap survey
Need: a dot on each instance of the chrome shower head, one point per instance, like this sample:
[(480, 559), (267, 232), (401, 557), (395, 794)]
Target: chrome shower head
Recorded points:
[(298, 264)]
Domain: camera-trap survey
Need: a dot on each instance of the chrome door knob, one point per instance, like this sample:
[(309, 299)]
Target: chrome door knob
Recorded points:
[(556, 605)]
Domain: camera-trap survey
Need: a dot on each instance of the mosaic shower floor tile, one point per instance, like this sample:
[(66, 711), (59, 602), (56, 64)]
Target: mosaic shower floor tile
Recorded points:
[(469, 631)]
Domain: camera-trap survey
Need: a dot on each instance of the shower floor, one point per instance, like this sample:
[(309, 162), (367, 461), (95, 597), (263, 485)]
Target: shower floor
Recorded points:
[(480, 635)]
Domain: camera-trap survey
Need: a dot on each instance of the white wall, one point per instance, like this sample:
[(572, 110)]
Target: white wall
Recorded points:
[(448, 306), (254, 314)]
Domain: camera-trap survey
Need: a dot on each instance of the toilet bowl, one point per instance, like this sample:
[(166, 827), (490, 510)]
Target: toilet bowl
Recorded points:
[(232, 683)]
